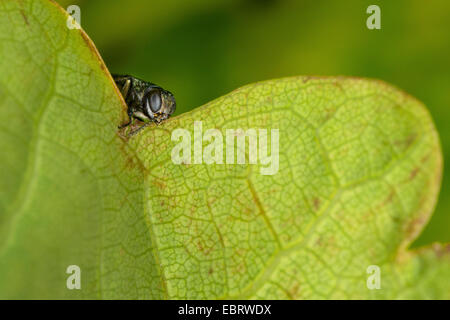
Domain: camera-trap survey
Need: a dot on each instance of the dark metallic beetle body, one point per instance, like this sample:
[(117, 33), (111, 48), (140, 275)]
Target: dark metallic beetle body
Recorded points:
[(146, 101)]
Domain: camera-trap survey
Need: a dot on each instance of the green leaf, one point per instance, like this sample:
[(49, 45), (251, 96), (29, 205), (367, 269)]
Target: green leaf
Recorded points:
[(359, 173)]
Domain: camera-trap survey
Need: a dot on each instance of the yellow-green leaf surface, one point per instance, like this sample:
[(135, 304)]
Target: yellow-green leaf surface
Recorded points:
[(359, 173)]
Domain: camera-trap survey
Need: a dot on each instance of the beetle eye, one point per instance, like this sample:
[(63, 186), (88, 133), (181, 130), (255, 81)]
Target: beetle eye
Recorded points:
[(153, 101)]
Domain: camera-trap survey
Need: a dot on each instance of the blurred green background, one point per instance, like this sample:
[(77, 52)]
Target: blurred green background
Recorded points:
[(202, 49)]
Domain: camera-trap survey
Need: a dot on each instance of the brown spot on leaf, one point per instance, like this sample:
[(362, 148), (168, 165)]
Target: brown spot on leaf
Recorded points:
[(319, 242), (441, 250), (294, 290), (316, 203), (202, 249), (414, 226), (325, 242), (389, 198), (406, 143), (414, 173), (159, 184), (425, 158), (131, 162), (24, 17)]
